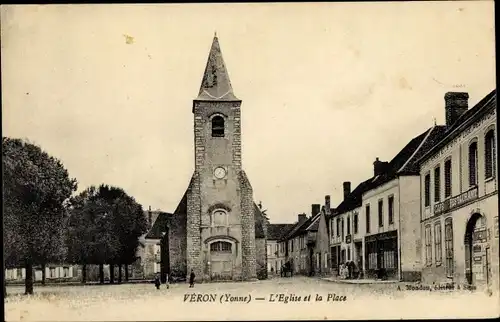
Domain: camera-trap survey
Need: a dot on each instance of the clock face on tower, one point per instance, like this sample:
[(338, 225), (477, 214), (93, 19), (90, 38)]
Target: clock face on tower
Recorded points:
[(220, 172)]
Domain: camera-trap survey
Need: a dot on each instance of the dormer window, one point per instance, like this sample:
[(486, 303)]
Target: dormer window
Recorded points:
[(217, 126)]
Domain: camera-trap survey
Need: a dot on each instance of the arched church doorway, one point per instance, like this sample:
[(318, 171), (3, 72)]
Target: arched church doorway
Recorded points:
[(477, 251), (221, 260)]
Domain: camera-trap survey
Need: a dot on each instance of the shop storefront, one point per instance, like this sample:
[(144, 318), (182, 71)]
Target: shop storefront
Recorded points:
[(381, 255)]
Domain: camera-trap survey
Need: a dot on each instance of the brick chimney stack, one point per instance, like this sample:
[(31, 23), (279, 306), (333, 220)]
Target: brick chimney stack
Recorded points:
[(315, 209), (301, 218), (379, 167), (347, 189), (456, 104), (327, 205)]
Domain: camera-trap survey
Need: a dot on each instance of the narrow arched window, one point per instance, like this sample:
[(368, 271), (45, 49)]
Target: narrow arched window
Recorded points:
[(473, 164), (489, 151), (217, 126), (220, 246)]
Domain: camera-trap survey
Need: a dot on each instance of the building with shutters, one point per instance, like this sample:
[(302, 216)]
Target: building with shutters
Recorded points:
[(300, 242), (376, 227), (459, 188), (276, 250)]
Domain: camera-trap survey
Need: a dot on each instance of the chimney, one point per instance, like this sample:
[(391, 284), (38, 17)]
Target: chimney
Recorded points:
[(302, 218), (347, 189), (456, 104), (379, 167), (327, 205), (315, 208)]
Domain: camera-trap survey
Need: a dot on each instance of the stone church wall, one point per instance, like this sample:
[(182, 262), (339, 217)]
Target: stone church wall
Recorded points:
[(248, 229), (177, 245)]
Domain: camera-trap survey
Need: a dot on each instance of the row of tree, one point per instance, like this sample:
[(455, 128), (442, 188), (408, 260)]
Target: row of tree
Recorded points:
[(45, 222)]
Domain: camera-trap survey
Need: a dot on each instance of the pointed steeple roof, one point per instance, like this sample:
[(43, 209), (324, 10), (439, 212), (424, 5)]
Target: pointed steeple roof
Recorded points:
[(216, 84)]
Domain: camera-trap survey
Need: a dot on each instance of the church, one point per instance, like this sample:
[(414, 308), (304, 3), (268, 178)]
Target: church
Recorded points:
[(217, 230)]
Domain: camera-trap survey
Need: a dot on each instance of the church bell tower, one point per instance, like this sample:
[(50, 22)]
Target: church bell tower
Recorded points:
[(220, 219)]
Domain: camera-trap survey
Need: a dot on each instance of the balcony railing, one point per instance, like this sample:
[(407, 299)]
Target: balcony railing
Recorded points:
[(455, 202)]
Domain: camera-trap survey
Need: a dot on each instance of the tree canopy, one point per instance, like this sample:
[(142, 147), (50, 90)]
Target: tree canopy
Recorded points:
[(36, 186), (104, 226)]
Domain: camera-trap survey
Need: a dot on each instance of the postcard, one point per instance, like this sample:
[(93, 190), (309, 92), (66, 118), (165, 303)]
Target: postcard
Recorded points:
[(250, 161)]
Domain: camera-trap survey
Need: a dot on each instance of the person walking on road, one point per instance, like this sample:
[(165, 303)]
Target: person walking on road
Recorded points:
[(191, 279), (157, 281)]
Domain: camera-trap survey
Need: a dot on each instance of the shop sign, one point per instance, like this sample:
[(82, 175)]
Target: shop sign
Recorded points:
[(455, 202), (386, 235)]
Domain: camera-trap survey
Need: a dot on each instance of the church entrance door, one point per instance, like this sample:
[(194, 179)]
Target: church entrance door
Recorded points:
[(221, 261)]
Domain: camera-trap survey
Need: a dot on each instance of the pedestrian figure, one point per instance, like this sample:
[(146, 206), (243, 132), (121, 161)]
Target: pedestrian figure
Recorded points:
[(167, 282), (157, 281), (191, 279), (349, 269)]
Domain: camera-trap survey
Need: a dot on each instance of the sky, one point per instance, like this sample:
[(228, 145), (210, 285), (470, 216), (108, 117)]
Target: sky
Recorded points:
[(326, 88)]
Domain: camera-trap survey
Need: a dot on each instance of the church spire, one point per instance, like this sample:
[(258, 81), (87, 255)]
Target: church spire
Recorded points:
[(216, 84)]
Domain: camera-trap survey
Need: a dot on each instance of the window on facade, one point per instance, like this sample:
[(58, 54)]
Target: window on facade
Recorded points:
[(66, 272), (473, 164), (447, 178), (489, 157), (380, 213), (437, 184), (219, 218), (276, 248), (448, 246), (372, 256), (52, 272), (390, 202), (338, 227), (348, 225), (220, 246), (389, 259), (437, 243), (348, 253), (356, 223), (217, 126), (367, 211), (428, 245), (427, 190), (342, 227)]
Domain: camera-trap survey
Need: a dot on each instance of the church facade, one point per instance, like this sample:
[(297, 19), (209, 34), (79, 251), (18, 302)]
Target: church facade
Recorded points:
[(217, 230)]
